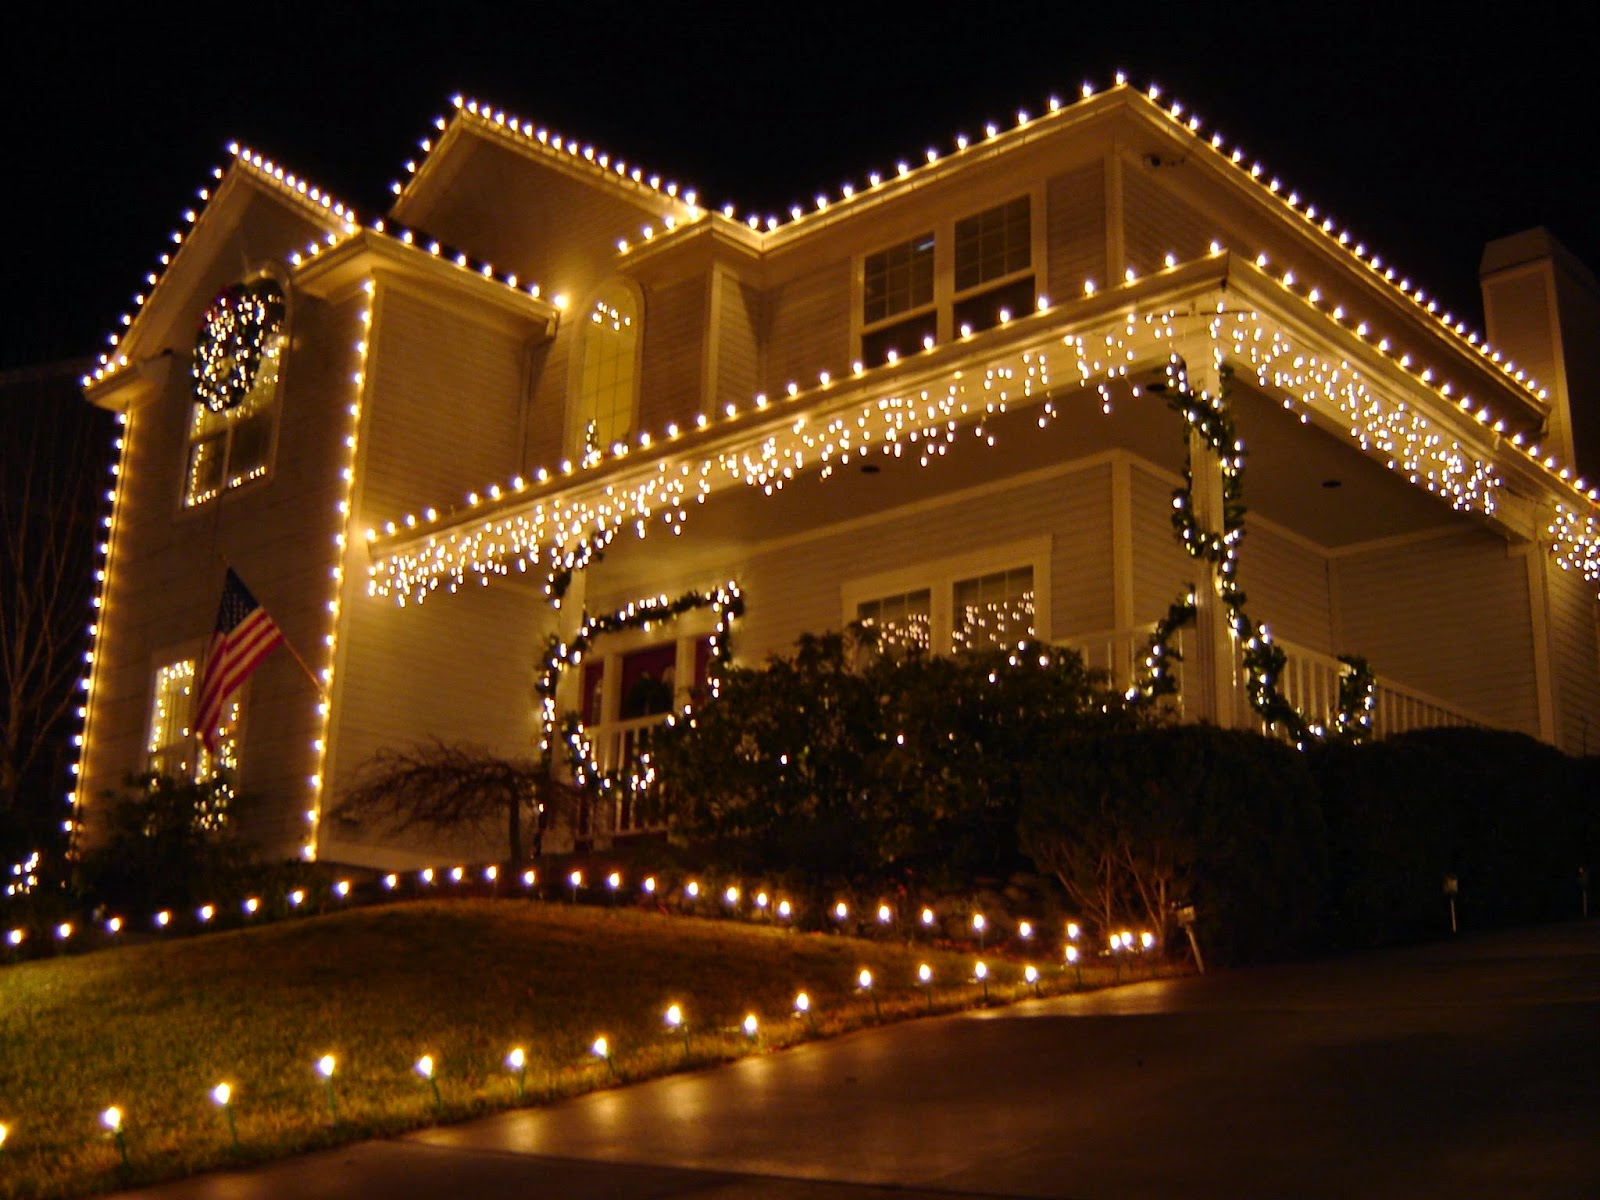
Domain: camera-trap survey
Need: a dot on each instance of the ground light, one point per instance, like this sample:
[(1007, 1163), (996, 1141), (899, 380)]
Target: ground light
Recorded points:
[(925, 981), (601, 1049), (517, 1061), (424, 1068), (864, 982), (112, 1120), (222, 1096), (325, 1068), (981, 974), (675, 1022), (802, 1008)]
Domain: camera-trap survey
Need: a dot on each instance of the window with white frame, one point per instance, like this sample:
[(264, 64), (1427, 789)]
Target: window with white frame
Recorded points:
[(237, 363), (172, 748), (897, 309), (985, 599), (993, 267), (607, 390)]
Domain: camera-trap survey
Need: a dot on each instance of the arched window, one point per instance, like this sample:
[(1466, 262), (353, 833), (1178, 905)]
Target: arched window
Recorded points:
[(607, 395)]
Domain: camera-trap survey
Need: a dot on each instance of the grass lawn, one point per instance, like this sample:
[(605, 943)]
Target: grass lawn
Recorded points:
[(153, 1028)]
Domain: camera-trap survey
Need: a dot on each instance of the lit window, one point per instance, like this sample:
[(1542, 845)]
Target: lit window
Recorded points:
[(173, 748), (237, 360), (904, 621), (994, 257), (608, 374), (993, 611), (897, 310)]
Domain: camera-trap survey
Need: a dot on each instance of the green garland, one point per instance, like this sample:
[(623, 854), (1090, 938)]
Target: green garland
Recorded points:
[(1263, 658), (728, 603)]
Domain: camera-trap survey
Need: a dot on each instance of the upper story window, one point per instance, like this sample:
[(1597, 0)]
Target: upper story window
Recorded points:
[(897, 309), (606, 400), (956, 280), (238, 356), (993, 612), (993, 267)]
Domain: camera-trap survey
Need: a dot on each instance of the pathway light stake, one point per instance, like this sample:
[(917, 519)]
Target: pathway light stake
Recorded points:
[(614, 882), (927, 918), (785, 910), (1074, 931), (252, 906), (1450, 889), (691, 892), (762, 900), (114, 925), (731, 897), (979, 927), (342, 889), (112, 1120), (14, 939), (602, 1050), (575, 881), (864, 982), (529, 878), (517, 1060), (981, 974), (425, 1069), (841, 912), (3, 1132), (1025, 930), (63, 932), (1075, 964), (457, 874), (297, 898), (925, 981), (425, 876), (491, 874), (206, 912), (649, 885), (1030, 976), (222, 1095), (885, 915), (751, 1026), (162, 919), (802, 1008), (675, 1021), (325, 1068)]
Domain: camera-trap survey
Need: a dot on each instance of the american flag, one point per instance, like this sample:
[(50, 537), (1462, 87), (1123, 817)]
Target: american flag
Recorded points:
[(245, 635)]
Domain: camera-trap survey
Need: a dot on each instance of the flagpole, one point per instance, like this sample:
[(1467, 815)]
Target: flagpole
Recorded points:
[(287, 644)]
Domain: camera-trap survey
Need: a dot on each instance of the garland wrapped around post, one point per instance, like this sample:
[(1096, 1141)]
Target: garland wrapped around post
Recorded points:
[(1263, 658)]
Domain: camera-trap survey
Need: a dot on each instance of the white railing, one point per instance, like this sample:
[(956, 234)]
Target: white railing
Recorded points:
[(1310, 682), (1121, 653), (616, 746)]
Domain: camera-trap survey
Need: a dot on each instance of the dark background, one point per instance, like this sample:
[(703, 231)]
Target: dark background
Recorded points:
[(1425, 133)]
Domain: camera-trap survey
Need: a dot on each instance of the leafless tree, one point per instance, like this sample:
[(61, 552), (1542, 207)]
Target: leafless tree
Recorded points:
[(445, 786), (53, 458)]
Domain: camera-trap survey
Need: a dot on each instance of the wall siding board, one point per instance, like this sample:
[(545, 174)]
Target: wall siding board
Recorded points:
[(1161, 569), (1450, 617), (1287, 588), (1075, 205), (674, 346), (1574, 658), (808, 323), (429, 369), (739, 365), (1157, 222)]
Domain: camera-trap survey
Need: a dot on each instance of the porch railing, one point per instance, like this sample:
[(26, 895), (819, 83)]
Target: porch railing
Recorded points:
[(1310, 682), (1121, 653), (617, 747)]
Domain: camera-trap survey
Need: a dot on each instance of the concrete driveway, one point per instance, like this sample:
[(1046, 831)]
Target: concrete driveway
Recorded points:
[(1470, 1069)]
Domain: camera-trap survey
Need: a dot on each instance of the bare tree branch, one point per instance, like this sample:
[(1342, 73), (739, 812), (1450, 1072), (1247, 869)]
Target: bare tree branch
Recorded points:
[(448, 786)]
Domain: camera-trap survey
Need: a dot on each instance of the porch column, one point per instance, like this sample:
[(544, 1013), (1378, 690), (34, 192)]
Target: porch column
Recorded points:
[(1214, 682)]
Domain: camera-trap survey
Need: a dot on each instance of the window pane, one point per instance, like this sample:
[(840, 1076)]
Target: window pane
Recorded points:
[(252, 443), (903, 620), (604, 405), (994, 611), (905, 337), (982, 310), (204, 477), (993, 243), (898, 279)]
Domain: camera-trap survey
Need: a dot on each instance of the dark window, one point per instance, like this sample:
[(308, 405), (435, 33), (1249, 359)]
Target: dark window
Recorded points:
[(903, 337), (993, 244), (898, 279), (982, 310)]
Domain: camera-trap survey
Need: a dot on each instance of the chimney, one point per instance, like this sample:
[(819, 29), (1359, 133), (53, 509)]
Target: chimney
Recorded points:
[(1541, 309)]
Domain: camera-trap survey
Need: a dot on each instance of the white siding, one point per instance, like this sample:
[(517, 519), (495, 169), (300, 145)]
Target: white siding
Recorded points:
[(1574, 658), (1449, 616)]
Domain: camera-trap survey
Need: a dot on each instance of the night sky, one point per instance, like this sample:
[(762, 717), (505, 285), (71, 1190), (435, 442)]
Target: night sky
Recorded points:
[(1425, 137)]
